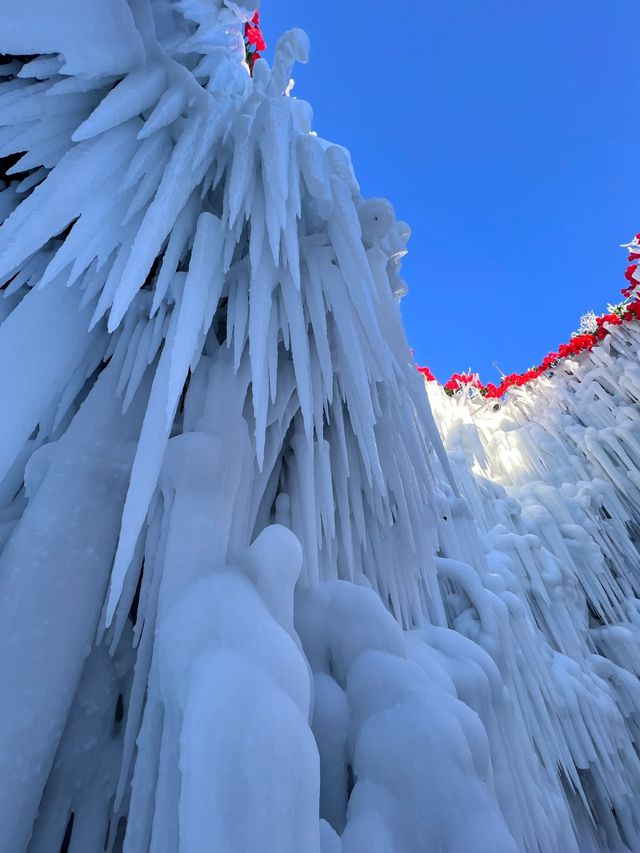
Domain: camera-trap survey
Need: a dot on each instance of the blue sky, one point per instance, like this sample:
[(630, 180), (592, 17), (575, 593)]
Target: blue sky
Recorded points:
[(507, 135)]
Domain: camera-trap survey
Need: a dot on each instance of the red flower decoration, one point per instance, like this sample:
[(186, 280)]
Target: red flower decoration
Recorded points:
[(254, 37), (579, 343), (428, 375), (253, 40)]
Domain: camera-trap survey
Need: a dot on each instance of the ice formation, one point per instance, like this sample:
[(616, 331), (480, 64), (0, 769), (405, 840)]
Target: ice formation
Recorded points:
[(550, 477), (248, 601)]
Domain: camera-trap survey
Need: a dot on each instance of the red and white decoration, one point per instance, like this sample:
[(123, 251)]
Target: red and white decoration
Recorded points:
[(582, 341)]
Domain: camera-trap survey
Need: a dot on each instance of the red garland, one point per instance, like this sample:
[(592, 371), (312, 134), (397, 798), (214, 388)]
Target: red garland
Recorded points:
[(628, 310), (253, 40)]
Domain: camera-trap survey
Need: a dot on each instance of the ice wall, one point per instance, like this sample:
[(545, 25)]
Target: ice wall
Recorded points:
[(246, 602), (550, 477)]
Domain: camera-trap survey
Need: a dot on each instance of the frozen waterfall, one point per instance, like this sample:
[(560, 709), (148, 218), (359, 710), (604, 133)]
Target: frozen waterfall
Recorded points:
[(250, 600)]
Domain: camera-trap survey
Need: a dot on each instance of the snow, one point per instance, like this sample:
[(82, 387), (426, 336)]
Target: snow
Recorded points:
[(258, 590)]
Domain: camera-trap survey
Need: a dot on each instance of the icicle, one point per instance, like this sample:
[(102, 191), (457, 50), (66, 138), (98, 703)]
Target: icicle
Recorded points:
[(139, 91), (201, 291), (42, 364)]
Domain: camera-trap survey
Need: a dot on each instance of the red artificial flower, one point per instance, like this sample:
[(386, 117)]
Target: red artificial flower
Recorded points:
[(467, 379), (582, 342), (254, 37), (611, 318), (458, 380), (254, 42), (428, 375)]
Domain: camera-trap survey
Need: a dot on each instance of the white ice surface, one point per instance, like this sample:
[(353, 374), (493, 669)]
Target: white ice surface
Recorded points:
[(254, 596), (95, 39)]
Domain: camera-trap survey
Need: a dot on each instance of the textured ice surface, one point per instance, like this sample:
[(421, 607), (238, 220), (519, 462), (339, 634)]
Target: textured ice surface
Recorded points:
[(90, 38), (248, 602)]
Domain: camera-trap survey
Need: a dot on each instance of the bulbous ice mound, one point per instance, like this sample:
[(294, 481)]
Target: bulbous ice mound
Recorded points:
[(223, 624)]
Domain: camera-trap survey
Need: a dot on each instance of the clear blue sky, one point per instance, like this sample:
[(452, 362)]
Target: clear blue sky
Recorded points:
[(507, 134)]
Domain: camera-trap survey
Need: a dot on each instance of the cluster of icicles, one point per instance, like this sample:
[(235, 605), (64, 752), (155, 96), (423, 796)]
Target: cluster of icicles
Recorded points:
[(551, 478), (246, 602)]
